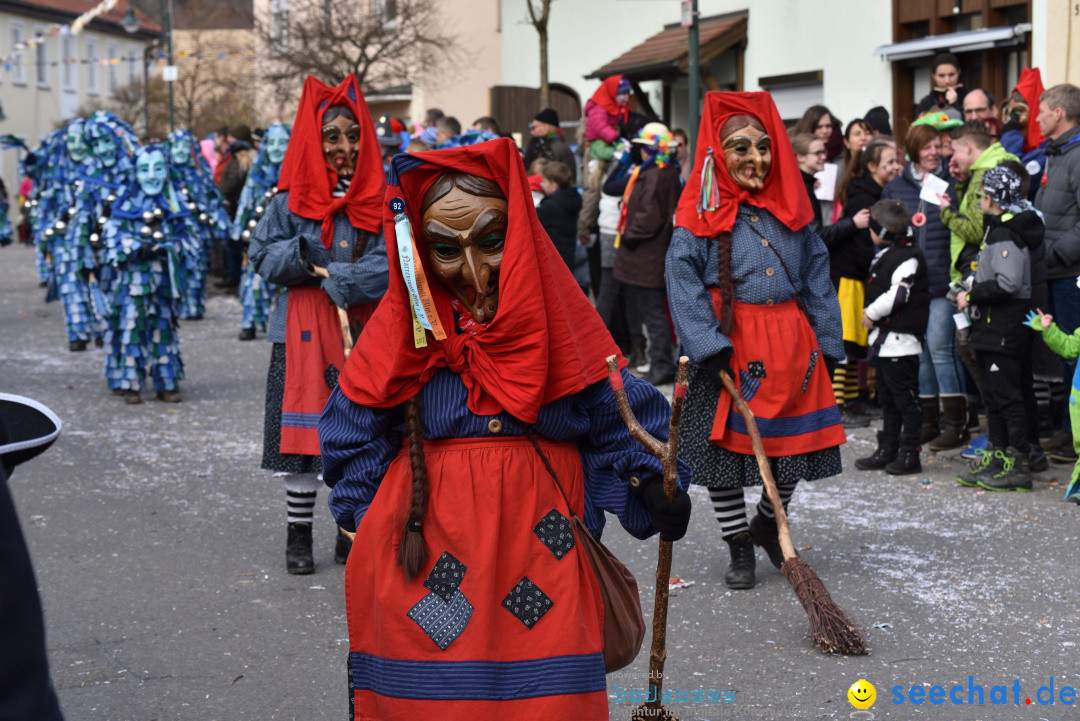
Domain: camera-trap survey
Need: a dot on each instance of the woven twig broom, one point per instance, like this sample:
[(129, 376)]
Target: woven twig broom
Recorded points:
[(667, 453)]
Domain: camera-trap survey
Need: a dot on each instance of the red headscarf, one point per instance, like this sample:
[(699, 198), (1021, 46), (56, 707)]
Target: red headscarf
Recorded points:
[(605, 97), (545, 342), (784, 193), (1031, 88), (310, 181)]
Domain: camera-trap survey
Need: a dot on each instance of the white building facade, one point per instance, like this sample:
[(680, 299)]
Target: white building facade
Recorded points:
[(43, 86), (805, 52)]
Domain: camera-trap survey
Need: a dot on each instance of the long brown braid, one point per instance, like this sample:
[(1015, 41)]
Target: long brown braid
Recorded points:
[(412, 554), (725, 283)]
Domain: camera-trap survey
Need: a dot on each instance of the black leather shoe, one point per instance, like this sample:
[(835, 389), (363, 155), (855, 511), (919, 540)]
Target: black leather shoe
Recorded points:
[(764, 532), (298, 559), (740, 573), (884, 455), (247, 334), (906, 462), (342, 547), (77, 345)]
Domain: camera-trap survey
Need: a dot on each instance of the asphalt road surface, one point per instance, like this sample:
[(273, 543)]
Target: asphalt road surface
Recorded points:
[(159, 545)]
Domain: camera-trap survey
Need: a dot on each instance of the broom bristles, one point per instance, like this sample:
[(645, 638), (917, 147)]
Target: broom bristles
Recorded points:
[(830, 627)]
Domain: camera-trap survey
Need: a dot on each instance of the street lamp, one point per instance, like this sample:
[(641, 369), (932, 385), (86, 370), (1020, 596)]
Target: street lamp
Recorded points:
[(131, 24)]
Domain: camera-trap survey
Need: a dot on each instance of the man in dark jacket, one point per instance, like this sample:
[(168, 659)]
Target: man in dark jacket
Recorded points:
[(548, 141), (1059, 201), (644, 233)]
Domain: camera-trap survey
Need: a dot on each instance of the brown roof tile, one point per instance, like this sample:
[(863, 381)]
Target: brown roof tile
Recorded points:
[(667, 50)]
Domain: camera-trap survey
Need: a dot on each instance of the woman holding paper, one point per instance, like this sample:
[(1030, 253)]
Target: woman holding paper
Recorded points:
[(810, 153), (319, 241), (939, 372)]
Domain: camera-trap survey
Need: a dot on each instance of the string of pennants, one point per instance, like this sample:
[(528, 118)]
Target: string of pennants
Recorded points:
[(162, 55), (62, 30), (55, 29)]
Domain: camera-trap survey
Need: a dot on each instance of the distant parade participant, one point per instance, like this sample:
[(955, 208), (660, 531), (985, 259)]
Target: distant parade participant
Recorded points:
[(148, 237), (192, 176), (51, 171), (256, 293), (61, 255), (106, 167), (319, 240)]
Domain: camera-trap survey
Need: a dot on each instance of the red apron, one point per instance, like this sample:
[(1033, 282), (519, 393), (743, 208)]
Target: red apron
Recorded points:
[(783, 378), (505, 619), (314, 356)]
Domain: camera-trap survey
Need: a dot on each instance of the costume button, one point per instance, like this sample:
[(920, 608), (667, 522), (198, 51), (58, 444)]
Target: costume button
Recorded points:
[(769, 301), (495, 425), (753, 219), (635, 481), (764, 243), (769, 272)]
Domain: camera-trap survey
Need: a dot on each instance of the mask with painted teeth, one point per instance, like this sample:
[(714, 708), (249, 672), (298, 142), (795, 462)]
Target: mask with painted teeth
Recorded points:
[(747, 151)]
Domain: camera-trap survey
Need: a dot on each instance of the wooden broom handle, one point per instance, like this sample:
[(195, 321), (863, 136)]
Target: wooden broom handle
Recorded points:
[(346, 334), (783, 532)]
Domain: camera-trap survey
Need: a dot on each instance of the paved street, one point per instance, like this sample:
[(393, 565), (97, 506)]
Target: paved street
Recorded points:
[(159, 544)]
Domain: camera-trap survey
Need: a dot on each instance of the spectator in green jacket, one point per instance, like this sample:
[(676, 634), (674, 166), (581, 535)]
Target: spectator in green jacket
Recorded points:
[(973, 154)]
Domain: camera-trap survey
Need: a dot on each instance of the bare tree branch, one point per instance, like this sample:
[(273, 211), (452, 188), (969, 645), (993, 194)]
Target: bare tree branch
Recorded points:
[(332, 38)]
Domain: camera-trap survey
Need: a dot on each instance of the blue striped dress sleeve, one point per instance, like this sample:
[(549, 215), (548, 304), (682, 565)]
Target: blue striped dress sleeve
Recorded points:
[(357, 445), (610, 456)]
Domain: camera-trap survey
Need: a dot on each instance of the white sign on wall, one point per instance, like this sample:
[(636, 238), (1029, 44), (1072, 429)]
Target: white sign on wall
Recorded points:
[(170, 73)]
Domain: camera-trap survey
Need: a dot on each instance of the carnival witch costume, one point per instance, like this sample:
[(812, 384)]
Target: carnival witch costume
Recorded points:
[(147, 237), (319, 240), (256, 293), (749, 289), (473, 415), (191, 174)]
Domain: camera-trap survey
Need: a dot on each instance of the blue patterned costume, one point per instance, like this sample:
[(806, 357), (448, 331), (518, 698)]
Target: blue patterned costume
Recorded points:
[(191, 174), (99, 176), (256, 293), (148, 239), (52, 173)]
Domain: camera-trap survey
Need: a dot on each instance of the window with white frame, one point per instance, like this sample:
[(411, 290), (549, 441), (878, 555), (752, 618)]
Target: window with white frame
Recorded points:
[(93, 63), (279, 27), (18, 57), (69, 63), (41, 57), (112, 56), (131, 56)]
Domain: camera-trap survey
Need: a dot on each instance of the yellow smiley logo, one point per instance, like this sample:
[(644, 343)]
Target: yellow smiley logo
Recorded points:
[(862, 694)]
